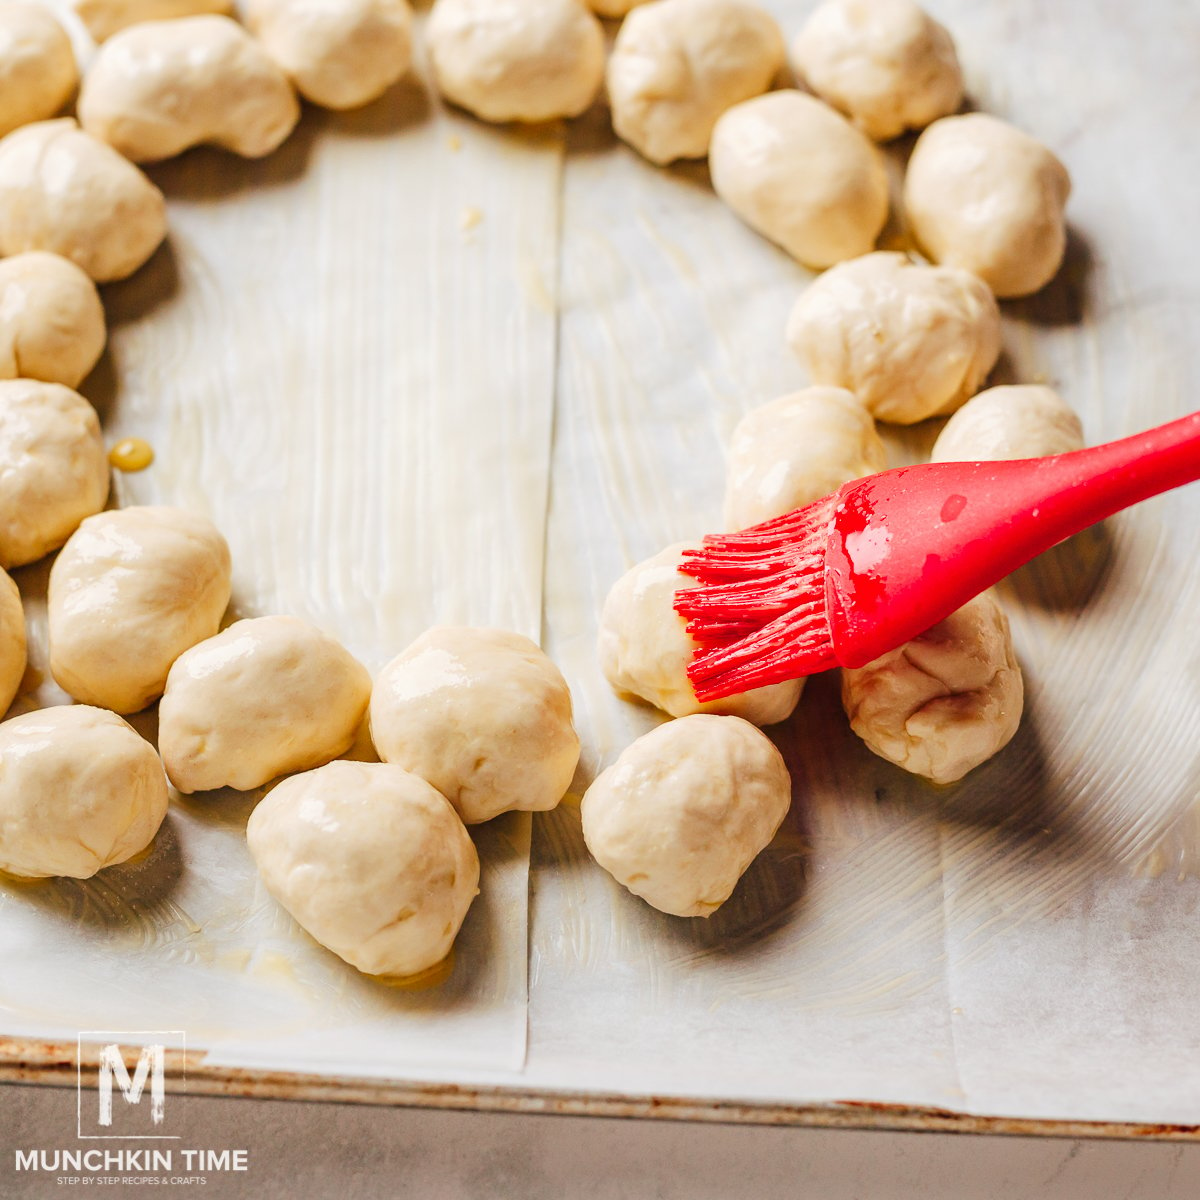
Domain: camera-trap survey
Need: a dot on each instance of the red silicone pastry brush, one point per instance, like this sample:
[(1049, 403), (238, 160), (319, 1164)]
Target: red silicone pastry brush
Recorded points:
[(847, 578)]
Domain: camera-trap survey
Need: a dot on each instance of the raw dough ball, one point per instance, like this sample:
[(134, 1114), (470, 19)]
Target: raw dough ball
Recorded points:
[(645, 648), (1022, 421), (338, 53), (795, 450), (51, 319), (53, 468), (37, 65), (887, 64), (483, 715), (265, 697), (370, 860), (156, 89), (685, 810), (12, 641), (984, 196), (910, 341), (79, 791), (130, 592), (103, 18), (64, 191), (801, 175), (516, 60), (677, 65), (944, 702)]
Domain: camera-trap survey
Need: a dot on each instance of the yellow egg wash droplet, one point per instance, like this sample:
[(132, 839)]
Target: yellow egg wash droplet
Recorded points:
[(431, 977), (131, 454)]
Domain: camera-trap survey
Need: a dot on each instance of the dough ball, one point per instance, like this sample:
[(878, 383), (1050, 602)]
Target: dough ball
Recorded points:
[(157, 89), (1022, 421), (800, 174), (645, 647), (946, 701), (677, 65), (795, 450), (516, 60), (887, 64), (37, 65), (338, 53), (51, 319), (371, 860), (80, 790), (986, 197), (103, 18), (67, 192), (130, 592), (910, 341), (265, 697), (53, 468), (483, 715), (685, 810), (12, 642)]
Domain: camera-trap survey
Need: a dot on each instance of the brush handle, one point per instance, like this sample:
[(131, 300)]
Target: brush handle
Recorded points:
[(910, 546)]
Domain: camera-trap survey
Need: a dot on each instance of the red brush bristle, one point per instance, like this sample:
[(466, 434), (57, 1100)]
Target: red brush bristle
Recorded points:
[(759, 614)]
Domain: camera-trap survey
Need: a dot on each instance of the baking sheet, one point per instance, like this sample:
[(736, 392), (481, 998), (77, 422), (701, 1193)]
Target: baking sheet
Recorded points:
[(1020, 945)]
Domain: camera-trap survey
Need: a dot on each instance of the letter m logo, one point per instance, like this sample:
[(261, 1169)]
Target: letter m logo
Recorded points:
[(150, 1064), (133, 1063)]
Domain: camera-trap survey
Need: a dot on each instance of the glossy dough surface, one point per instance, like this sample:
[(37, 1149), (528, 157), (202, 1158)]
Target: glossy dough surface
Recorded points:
[(516, 60), (685, 810), (887, 64), (37, 65), (483, 715), (982, 195), (129, 593), (644, 647), (677, 65), (795, 450), (267, 696), (80, 790), (801, 175), (910, 341), (1014, 421), (371, 860), (156, 89), (67, 192), (946, 701), (53, 468), (51, 320)]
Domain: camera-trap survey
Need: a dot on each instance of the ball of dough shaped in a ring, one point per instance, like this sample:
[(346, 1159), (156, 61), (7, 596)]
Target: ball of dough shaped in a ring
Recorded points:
[(685, 810), (12, 641), (801, 175), (103, 18), (53, 468), (157, 89), (945, 702), (37, 65), (80, 791), (516, 60), (645, 648), (982, 195), (129, 593), (1017, 421), (265, 697), (887, 64), (483, 715), (338, 53), (67, 192), (371, 860), (51, 319), (677, 65), (797, 449), (910, 341)]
